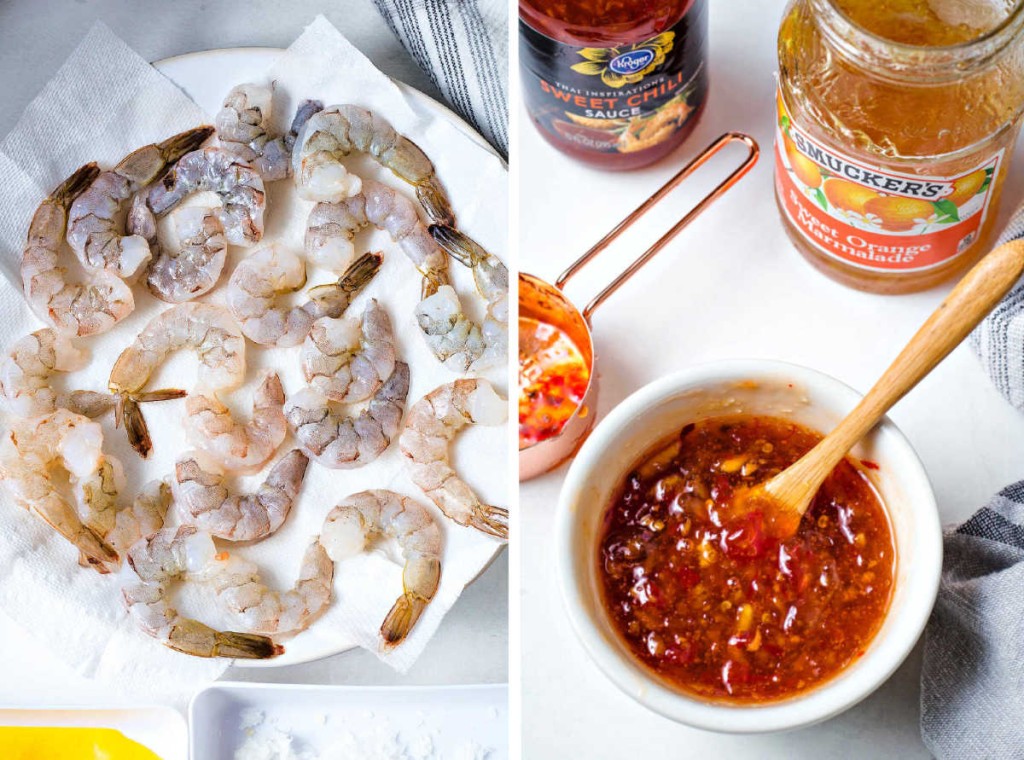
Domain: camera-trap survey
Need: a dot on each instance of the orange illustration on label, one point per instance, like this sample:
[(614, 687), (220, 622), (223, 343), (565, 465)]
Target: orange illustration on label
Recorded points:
[(874, 218)]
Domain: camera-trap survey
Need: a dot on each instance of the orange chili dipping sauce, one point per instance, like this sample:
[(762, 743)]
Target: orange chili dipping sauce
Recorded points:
[(715, 606), (553, 379)]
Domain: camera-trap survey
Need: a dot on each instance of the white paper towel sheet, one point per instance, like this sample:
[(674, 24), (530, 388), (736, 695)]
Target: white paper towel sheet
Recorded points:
[(106, 101)]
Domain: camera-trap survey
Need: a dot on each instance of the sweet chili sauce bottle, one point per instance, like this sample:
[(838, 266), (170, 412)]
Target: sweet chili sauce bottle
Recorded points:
[(615, 83), (895, 126)]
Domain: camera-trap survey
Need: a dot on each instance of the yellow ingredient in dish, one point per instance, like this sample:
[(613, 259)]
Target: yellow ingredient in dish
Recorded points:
[(42, 742)]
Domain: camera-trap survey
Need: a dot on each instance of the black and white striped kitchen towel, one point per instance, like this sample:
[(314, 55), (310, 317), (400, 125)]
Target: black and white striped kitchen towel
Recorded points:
[(999, 340), (972, 681), (462, 45)]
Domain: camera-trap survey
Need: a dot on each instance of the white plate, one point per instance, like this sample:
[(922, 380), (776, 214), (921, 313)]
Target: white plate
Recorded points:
[(205, 77), (159, 729), (453, 718)]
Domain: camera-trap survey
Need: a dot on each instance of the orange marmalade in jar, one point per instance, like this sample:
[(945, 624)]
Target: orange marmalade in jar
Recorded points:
[(615, 83), (896, 122)]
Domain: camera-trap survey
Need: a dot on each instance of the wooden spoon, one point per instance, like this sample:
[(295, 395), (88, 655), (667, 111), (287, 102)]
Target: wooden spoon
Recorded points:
[(786, 497)]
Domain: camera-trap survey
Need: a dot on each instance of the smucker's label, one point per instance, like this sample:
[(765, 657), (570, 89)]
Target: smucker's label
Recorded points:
[(873, 218), (619, 99)]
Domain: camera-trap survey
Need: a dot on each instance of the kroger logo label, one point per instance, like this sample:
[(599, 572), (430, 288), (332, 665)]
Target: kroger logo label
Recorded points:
[(631, 62)]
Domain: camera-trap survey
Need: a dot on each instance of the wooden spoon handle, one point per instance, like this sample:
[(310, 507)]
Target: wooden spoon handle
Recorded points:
[(966, 305)]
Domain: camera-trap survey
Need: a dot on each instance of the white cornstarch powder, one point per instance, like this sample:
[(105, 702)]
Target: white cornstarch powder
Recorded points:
[(266, 740)]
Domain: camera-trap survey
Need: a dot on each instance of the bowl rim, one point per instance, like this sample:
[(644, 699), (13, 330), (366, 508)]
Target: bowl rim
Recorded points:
[(824, 702)]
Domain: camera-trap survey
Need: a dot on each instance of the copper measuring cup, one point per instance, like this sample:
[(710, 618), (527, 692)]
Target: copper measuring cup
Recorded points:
[(548, 304)]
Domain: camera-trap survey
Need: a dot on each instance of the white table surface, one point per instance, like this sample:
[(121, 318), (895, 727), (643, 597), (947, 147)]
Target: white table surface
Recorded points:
[(731, 286), (478, 623)]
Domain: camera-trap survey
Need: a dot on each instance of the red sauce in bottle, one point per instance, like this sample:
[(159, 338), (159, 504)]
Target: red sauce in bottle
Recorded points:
[(616, 83)]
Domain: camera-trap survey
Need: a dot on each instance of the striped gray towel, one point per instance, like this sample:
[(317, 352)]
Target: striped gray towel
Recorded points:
[(972, 684), (462, 45), (999, 340)]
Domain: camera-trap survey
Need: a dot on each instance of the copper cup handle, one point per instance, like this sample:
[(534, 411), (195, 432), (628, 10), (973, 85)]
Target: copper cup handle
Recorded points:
[(678, 227)]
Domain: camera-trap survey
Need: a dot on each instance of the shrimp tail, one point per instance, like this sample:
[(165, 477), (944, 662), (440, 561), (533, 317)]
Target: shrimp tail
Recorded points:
[(246, 646), (135, 426), (88, 403), (361, 271), (421, 578), (127, 411), (194, 638), (435, 201), (173, 148), (400, 620), (490, 520), (332, 299), (458, 244), (74, 185)]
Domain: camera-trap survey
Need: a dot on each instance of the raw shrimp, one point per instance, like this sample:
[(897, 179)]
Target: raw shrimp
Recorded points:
[(144, 517), (239, 186), (433, 422), (367, 514), (28, 452), (25, 373), (244, 125), (331, 227), (186, 554), (81, 309), (347, 442), (262, 610), (457, 341), (259, 279), (338, 131), (206, 329), (210, 427), (200, 490), (193, 266), (348, 360), (95, 222)]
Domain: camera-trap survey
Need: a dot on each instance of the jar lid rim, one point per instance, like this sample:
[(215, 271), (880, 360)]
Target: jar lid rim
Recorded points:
[(855, 39)]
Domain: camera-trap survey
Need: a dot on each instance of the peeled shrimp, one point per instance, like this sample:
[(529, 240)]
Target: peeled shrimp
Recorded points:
[(206, 329), (347, 442), (193, 265), (183, 553), (86, 308), (461, 344), (239, 186), (348, 360), (339, 131), (28, 452), (244, 125), (365, 515), (259, 609), (200, 490), (95, 222), (432, 423), (26, 370), (235, 447), (259, 279), (144, 517), (331, 227)]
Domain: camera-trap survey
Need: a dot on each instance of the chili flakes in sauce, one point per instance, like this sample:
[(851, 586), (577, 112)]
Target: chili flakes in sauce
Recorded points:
[(717, 607)]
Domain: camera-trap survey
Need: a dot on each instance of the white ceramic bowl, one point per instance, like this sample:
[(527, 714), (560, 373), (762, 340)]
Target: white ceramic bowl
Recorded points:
[(749, 387)]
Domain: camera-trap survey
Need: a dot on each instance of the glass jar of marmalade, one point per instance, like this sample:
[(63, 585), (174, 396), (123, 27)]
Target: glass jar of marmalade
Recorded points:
[(896, 125), (615, 83)]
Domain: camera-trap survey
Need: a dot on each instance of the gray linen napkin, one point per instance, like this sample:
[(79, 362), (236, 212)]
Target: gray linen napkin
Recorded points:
[(462, 45), (972, 685), (999, 339)]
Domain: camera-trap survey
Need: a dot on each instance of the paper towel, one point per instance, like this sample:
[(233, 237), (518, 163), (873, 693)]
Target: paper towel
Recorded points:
[(106, 101)]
